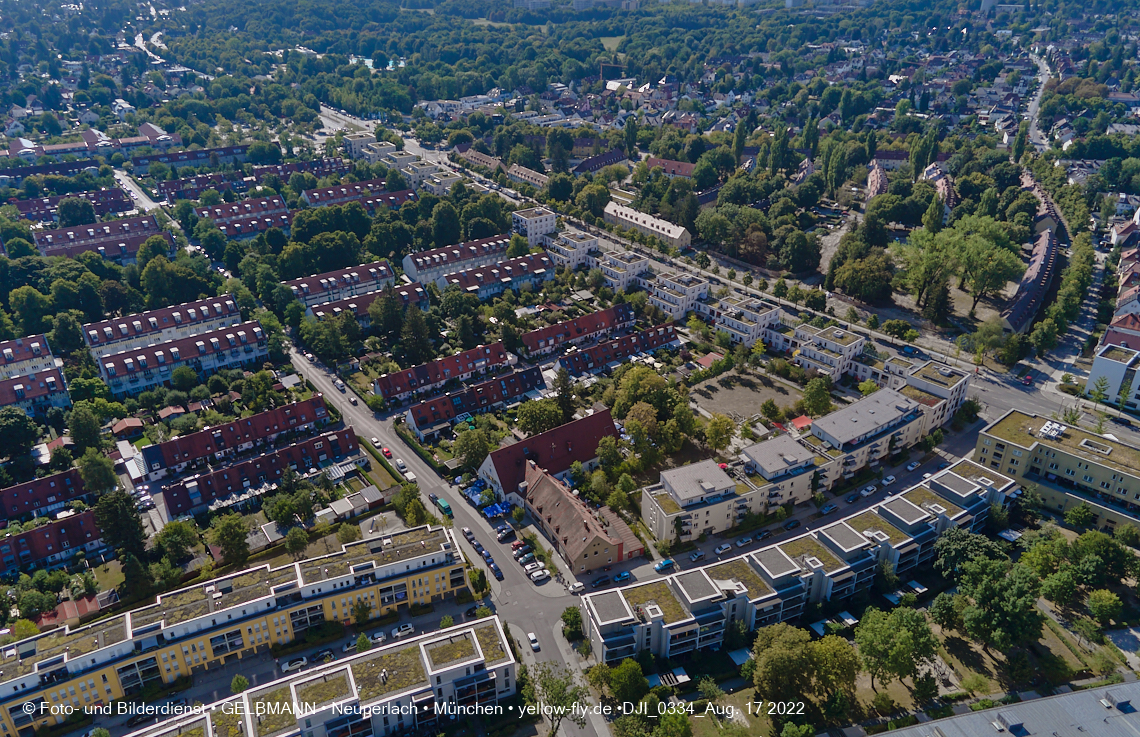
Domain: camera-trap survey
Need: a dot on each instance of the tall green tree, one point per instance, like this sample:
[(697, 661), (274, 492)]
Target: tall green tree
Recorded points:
[(229, 532), (119, 523), (414, 337)]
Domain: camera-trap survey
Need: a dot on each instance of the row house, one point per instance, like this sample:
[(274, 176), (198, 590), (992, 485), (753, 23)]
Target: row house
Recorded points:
[(408, 294), (221, 443), (222, 487), (35, 393), (203, 626), (571, 249), (211, 157), (15, 176), (831, 351), (427, 266), (42, 496), (676, 236), (610, 353), (533, 223), (372, 203), (486, 282), (116, 236), (1034, 284), (319, 168), (595, 164), (232, 212), (336, 285), (242, 229), (745, 319), (676, 294), (671, 169), (132, 372), (623, 269), (122, 250), (50, 546), (433, 375), (481, 159), (877, 182), (580, 329), (161, 326), (191, 188), (523, 175), (341, 193), (46, 209), (689, 611), (430, 417), (22, 356)]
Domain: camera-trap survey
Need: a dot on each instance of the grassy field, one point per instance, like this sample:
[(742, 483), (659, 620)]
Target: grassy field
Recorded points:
[(610, 43), (110, 575), (741, 396), (708, 725)]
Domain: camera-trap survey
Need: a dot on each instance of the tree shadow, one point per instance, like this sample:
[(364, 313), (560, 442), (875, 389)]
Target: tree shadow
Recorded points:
[(962, 651)]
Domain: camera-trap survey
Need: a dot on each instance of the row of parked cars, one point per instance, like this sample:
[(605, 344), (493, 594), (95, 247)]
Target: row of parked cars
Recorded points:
[(142, 497), (327, 655)]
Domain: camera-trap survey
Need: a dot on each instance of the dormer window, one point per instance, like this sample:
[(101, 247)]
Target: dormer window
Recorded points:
[(110, 334), (142, 362), (153, 324), (138, 326), (110, 369), (173, 354), (160, 357), (178, 318)]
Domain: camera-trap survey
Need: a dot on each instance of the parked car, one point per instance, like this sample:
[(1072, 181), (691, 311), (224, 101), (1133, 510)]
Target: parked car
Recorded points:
[(138, 719), (666, 565), (387, 453), (828, 509), (487, 556), (504, 535), (1123, 421), (295, 664), (401, 465), (349, 647), (943, 466), (696, 555), (517, 544), (496, 571), (324, 656), (622, 576), (521, 551), (378, 638), (577, 587), (467, 533), (1028, 380), (402, 631), (478, 546), (352, 400), (533, 642), (470, 613), (433, 498), (528, 558), (532, 567), (912, 465), (539, 575), (791, 524), (888, 480), (764, 535), (722, 549), (925, 476), (850, 498), (868, 491), (599, 582), (744, 542)]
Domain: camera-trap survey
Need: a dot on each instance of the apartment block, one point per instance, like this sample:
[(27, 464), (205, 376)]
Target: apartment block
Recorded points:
[(408, 294), (22, 356), (578, 330), (745, 319), (866, 432), (623, 269), (831, 351), (788, 469), (117, 240), (243, 210), (671, 169), (336, 285), (222, 443), (689, 611), (46, 209), (1068, 465), (1117, 363), (132, 372), (571, 249), (523, 175), (35, 393), (428, 377), (534, 223), (206, 157), (377, 152), (418, 172), (425, 266), (191, 188), (694, 500), (486, 282), (420, 684), (676, 294), (440, 184), (676, 236), (340, 194), (430, 417), (201, 627), (49, 546), (611, 353), (354, 144), (161, 326), (940, 390), (42, 496)]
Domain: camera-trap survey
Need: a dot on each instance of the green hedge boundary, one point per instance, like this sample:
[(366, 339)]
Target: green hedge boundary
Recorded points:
[(418, 449), (375, 453)]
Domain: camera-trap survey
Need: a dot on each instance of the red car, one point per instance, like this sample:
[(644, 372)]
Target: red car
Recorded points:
[(387, 453), (1028, 380)]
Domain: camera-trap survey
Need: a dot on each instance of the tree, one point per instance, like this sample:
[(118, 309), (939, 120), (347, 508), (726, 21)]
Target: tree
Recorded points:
[(18, 432), (414, 337), (361, 611), (1044, 336), (783, 662), (348, 533), (472, 446), (719, 432), (176, 539), (295, 543), (184, 378), (1080, 516), (673, 724), (118, 520), (564, 394), (75, 211), (572, 623), (555, 686), (946, 611), (363, 643), (709, 690), (1061, 587), (1099, 392), (446, 621), (518, 247), (229, 532), (817, 397), (866, 388), (239, 684), (1104, 605), (1003, 613), (34, 603), (627, 683), (892, 645), (957, 547), (836, 664), (987, 267), (540, 416), (798, 730), (932, 218), (84, 427), (66, 334), (31, 307)]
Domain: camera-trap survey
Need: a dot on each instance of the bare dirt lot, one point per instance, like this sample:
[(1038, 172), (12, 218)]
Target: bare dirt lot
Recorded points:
[(741, 396)]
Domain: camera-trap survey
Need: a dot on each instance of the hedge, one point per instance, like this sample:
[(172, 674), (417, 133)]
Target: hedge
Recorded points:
[(380, 459), (419, 450)]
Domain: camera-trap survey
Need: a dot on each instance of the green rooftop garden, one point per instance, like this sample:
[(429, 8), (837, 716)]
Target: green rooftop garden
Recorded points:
[(194, 729), (871, 521), (452, 650), (920, 495), (333, 687), (415, 541), (226, 725), (739, 570), (404, 670), (795, 549), (273, 718), (657, 593), (1018, 427), (490, 644), (668, 504)]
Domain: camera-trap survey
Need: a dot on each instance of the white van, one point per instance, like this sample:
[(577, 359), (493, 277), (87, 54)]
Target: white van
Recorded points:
[(411, 477)]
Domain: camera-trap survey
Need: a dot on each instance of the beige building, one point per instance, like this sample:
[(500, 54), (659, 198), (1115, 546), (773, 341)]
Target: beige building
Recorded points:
[(534, 223), (831, 351), (676, 236), (571, 248), (676, 294)]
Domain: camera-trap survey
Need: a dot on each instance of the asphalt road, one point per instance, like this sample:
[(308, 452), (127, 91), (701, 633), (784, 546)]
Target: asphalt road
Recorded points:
[(1036, 136), (141, 199)]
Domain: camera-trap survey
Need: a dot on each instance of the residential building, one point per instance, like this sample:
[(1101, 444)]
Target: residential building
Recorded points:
[(595, 164), (788, 469), (533, 223), (440, 184), (206, 157), (671, 169), (419, 684), (242, 210), (161, 326), (867, 431), (336, 285), (341, 194), (317, 167), (205, 625), (240, 483), (1122, 331), (831, 351), (607, 355), (222, 443), (877, 182), (131, 372), (408, 294), (693, 500), (523, 175), (1118, 364), (676, 236), (578, 330), (745, 319), (555, 451), (586, 539), (482, 159), (490, 281), (243, 229), (428, 377), (940, 390), (418, 172), (117, 240), (23, 356), (571, 249), (48, 546), (15, 177), (191, 188), (42, 496), (376, 152), (46, 209), (35, 393), (430, 417), (676, 294), (1034, 284), (623, 269), (354, 144), (427, 266)]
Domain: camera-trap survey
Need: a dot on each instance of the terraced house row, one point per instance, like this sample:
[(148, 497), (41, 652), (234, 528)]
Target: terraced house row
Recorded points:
[(690, 610), (206, 625), (397, 689)]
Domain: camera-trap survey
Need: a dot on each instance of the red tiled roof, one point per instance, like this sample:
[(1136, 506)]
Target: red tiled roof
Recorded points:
[(126, 425), (442, 370), (339, 193), (552, 336), (115, 249), (37, 544), (243, 209), (192, 158), (316, 167), (105, 201), (155, 321), (255, 224), (477, 398), (554, 450), (409, 294), (97, 233), (24, 499), (565, 518), (502, 273), (1130, 321), (32, 386), (24, 349), (672, 168), (597, 356), (454, 256), (174, 352), (68, 610), (372, 275), (1113, 336)]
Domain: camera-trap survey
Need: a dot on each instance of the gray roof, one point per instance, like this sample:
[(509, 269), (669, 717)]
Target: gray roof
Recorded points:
[(776, 455), (610, 606), (1080, 712), (696, 480), (956, 485), (905, 510), (844, 537), (696, 585), (775, 562), (866, 416)]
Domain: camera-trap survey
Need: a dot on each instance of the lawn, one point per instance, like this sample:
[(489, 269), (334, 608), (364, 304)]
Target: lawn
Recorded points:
[(610, 43), (710, 726), (741, 396), (109, 575)]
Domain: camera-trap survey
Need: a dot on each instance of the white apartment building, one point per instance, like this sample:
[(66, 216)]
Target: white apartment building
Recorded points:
[(354, 144), (939, 388), (675, 235), (160, 326), (440, 184), (1118, 364), (398, 159), (866, 432), (533, 223), (132, 372), (373, 153), (419, 172), (677, 294), (745, 319), (831, 351), (23, 356), (623, 269), (571, 248)]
